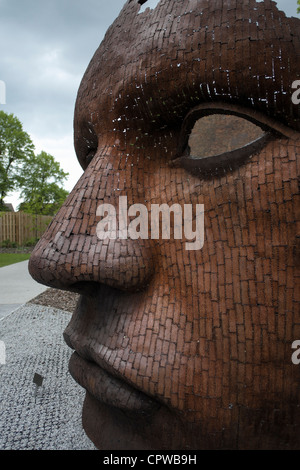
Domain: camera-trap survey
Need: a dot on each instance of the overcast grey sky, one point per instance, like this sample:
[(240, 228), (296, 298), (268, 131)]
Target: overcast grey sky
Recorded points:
[(45, 47)]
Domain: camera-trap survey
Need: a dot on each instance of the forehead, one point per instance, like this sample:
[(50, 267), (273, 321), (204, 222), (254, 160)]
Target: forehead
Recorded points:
[(164, 61)]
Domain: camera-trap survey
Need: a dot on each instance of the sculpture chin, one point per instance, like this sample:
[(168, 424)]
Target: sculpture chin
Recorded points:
[(109, 428), (114, 429)]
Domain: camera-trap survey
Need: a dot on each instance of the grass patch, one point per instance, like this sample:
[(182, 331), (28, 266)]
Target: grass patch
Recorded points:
[(12, 258)]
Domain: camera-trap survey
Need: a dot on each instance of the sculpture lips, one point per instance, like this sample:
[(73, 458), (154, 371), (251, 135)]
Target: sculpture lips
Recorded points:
[(107, 388)]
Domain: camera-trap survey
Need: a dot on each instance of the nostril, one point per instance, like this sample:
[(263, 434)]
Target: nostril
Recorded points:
[(94, 290), (89, 288)]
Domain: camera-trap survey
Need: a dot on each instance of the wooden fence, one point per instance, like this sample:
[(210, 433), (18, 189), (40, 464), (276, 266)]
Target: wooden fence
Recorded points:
[(20, 227)]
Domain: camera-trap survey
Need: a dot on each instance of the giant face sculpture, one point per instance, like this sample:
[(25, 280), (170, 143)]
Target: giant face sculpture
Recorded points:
[(186, 348)]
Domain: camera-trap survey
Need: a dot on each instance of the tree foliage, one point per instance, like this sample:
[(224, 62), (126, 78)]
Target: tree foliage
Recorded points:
[(42, 192), (298, 9), (16, 148), (39, 177)]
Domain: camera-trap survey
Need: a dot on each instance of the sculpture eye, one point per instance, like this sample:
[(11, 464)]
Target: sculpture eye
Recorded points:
[(217, 142)]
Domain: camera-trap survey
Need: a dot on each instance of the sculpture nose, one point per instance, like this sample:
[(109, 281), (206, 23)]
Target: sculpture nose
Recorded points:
[(71, 256)]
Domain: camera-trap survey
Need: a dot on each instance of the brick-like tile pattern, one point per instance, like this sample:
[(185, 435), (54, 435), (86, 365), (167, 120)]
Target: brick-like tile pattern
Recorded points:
[(205, 335)]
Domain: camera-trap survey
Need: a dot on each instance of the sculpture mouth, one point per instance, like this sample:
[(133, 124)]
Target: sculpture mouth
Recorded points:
[(108, 388)]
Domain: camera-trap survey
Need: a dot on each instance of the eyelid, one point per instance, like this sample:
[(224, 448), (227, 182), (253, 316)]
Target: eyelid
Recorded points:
[(230, 159), (266, 123), (212, 163)]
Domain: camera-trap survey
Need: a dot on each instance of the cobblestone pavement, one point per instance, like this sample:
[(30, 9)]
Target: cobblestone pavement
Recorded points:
[(46, 417)]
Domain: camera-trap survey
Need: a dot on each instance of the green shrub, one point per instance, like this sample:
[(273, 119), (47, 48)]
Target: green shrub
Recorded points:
[(31, 241), (8, 244)]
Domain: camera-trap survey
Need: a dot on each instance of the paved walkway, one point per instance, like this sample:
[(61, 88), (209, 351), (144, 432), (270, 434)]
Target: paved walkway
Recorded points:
[(16, 287), (49, 418), (31, 342)]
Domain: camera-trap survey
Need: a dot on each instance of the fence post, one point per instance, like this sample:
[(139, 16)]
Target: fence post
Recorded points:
[(19, 227)]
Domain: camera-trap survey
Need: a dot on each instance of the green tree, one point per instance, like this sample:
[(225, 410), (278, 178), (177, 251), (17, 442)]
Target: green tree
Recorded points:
[(298, 9), (16, 148), (42, 192)]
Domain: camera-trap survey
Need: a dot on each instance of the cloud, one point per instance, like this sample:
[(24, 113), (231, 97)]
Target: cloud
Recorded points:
[(45, 48)]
